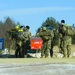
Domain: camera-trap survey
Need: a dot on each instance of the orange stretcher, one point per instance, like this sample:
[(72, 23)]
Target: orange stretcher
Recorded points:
[(36, 43)]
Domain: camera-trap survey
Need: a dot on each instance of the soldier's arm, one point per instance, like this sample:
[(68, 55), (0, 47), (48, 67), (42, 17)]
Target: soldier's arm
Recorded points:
[(29, 35)]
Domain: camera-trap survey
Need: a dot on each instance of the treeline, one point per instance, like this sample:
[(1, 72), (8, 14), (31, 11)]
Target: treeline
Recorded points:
[(55, 24), (9, 24), (4, 27)]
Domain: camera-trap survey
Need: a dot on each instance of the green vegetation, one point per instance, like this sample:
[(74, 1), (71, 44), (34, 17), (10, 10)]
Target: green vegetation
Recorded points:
[(10, 24)]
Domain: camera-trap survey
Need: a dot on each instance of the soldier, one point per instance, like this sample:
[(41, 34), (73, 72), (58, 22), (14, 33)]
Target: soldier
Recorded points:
[(60, 44), (52, 43), (66, 39), (52, 38), (26, 41), (40, 30), (18, 52), (60, 40), (49, 27), (46, 37)]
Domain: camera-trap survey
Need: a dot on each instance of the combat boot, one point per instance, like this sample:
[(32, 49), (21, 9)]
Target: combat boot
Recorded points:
[(25, 56), (42, 56), (47, 56)]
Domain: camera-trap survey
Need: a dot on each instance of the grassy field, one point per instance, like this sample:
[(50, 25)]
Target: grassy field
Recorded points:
[(72, 48), (38, 60), (55, 48)]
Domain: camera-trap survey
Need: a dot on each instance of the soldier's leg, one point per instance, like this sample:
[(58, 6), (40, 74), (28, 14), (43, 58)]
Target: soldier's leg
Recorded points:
[(26, 48), (43, 50), (64, 48), (23, 51), (51, 50), (61, 50), (17, 51), (61, 47), (48, 47), (20, 52), (69, 48)]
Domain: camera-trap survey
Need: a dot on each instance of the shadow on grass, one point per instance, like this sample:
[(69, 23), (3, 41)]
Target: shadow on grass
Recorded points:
[(7, 56), (13, 56)]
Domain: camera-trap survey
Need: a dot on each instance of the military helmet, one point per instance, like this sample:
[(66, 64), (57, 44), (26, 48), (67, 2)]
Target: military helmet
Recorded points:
[(17, 26), (27, 27), (62, 21), (44, 28)]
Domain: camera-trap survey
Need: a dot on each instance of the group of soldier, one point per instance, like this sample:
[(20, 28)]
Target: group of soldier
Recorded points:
[(47, 35), (65, 32), (21, 35), (22, 42), (65, 39)]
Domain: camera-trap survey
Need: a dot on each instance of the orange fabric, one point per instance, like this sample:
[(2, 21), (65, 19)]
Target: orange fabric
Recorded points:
[(36, 43)]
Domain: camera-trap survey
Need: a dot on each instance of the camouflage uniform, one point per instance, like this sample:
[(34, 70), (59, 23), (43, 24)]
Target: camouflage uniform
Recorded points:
[(45, 35), (66, 43), (60, 43), (25, 42), (45, 49), (67, 46), (18, 52), (52, 43), (65, 40)]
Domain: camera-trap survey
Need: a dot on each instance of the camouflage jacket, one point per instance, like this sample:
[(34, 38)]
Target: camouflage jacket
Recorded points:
[(45, 35), (67, 32)]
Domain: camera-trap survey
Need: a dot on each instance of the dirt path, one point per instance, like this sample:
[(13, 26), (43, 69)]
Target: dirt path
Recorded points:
[(37, 66), (37, 69)]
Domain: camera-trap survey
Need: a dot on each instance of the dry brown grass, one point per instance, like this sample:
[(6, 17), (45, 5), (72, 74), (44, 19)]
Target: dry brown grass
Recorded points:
[(72, 48), (37, 61), (55, 48)]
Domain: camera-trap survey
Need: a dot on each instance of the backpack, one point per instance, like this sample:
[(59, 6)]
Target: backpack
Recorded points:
[(14, 35), (46, 35), (69, 30)]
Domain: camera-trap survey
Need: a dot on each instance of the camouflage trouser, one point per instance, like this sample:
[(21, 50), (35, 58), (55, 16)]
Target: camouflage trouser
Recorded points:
[(67, 47), (25, 45), (51, 49), (46, 48), (60, 46), (18, 52)]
